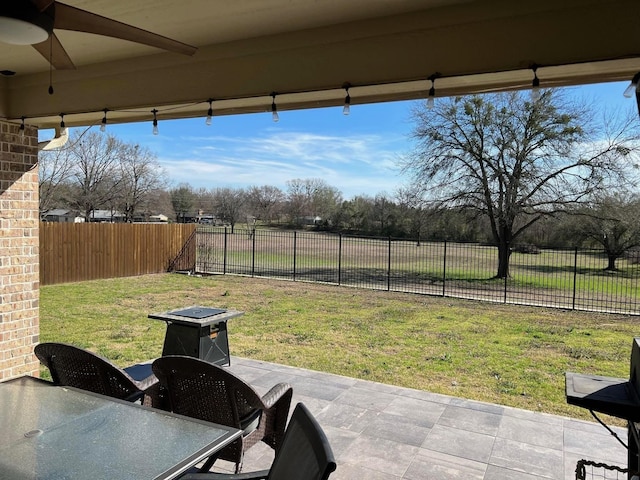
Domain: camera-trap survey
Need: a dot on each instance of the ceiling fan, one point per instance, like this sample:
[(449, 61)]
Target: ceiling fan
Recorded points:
[(32, 22)]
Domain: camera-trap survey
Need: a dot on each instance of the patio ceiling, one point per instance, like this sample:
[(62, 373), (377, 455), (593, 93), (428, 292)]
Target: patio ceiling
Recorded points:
[(306, 50)]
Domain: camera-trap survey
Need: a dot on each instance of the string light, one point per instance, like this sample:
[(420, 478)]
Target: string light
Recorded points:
[(274, 108), (103, 124), (431, 99), (633, 86), (209, 112), (535, 85), (22, 128), (62, 125), (155, 121), (346, 110), (432, 93)]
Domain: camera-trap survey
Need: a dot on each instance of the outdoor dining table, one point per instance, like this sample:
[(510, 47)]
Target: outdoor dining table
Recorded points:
[(63, 433)]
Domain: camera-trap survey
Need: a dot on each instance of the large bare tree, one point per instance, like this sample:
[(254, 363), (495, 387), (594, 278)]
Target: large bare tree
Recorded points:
[(229, 205), (94, 176), (265, 201), (515, 160), (139, 174)]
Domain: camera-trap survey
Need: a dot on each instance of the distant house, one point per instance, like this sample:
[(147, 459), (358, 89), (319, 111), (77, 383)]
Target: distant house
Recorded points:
[(61, 215), (309, 220), (160, 218), (106, 216), (146, 218), (209, 220)]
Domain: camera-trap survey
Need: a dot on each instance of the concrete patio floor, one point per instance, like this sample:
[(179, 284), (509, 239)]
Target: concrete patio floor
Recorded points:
[(382, 432)]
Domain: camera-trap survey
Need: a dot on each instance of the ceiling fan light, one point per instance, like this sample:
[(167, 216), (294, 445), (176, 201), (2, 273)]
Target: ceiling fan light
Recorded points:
[(20, 32)]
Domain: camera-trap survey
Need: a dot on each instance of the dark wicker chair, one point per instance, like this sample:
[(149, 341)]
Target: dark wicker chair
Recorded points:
[(305, 454), (76, 367), (202, 390)]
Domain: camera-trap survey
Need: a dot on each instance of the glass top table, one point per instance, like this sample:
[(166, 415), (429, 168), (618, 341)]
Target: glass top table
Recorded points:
[(62, 433)]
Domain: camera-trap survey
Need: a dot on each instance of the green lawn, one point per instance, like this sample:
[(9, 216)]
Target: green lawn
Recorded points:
[(504, 354)]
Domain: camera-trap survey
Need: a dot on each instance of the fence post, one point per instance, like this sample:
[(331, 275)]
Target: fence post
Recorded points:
[(444, 269), (340, 259), (506, 273), (389, 267), (575, 277), (295, 244), (506, 277), (224, 256), (253, 253)]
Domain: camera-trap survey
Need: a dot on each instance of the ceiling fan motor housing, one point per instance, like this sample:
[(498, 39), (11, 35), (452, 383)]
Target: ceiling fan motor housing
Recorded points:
[(22, 23)]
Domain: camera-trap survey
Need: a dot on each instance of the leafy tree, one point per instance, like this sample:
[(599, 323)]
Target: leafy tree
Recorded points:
[(356, 215), (183, 200), (513, 160)]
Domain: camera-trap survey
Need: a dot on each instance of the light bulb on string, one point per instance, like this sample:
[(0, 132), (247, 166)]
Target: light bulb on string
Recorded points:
[(346, 110), (62, 124), (155, 121), (633, 86), (431, 99), (209, 112), (535, 85), (103, 123), (274, 109), (432, 93), (22, 127)]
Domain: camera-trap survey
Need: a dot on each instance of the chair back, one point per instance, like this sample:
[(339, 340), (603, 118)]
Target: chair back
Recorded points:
[(305, 453), (76, 367), (202, 390)]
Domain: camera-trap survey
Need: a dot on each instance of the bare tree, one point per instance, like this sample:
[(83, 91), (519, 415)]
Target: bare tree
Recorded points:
[(265, 201), (139, 174), (312, 197), (95, 177), (229, 205), (515, 161), (612, 221), (54, 167), (414, 209)]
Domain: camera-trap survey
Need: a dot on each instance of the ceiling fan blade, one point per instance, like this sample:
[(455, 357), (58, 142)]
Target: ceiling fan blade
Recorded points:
[(54, 52), (42, 5), (72, 18)]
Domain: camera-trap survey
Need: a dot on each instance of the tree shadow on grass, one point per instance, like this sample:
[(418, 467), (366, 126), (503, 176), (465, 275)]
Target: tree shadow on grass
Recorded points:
[(632, 272)]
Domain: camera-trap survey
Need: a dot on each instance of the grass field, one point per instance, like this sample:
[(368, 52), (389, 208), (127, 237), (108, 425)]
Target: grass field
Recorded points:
[(504, 354), (563, 278)]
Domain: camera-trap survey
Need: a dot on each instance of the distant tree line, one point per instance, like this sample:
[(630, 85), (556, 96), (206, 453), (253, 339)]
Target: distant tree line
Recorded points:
[(498, 169)]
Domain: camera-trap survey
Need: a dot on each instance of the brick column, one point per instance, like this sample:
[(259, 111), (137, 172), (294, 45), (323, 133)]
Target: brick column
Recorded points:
[(19, 261)]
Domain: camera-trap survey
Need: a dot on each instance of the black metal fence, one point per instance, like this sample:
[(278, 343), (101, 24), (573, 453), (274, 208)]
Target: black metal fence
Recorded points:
[(564, 278)]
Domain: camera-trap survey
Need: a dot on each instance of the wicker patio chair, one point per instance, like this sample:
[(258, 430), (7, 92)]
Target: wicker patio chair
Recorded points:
[(202, 390), (305, 454), (76, 367)]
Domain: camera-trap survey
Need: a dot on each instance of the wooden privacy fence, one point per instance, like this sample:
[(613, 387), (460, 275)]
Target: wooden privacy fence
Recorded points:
[(73, 252)]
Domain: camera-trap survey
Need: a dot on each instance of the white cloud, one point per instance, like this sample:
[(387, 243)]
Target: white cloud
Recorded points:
[(355, 164)]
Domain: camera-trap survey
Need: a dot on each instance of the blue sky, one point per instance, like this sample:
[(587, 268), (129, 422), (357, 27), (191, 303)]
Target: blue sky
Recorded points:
[(357, 154)]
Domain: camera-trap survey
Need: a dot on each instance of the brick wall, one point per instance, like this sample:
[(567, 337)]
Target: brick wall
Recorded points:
[(19, 262)]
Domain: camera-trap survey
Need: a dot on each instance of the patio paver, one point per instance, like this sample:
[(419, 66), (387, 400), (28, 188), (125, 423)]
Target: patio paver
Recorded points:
[(383, 432)]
